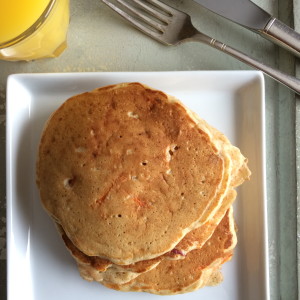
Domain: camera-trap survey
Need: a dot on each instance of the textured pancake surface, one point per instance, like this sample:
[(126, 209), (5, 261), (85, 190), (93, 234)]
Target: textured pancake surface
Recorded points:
[(99, 269), (127, 172), (196, 270)]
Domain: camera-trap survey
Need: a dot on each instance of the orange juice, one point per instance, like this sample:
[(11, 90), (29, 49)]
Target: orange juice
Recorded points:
[(32, 29), (18, 15)]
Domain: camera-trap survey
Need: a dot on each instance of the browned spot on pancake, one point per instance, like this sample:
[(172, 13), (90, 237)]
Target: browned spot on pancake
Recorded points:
[(75, 251), (99, 264), (228, 242)]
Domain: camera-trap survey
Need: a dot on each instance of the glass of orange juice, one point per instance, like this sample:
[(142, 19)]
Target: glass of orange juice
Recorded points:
[(33, 29)]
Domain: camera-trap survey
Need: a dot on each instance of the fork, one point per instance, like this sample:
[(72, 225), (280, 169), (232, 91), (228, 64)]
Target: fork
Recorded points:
[(172, 27)]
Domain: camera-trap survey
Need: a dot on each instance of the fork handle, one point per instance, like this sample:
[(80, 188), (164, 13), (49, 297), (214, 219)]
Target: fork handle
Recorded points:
[(291, 82)]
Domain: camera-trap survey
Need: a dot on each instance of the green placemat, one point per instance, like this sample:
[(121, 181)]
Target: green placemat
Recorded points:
[(297, 129)]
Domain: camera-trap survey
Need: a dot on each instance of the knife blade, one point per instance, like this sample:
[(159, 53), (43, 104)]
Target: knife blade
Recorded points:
[(253, 17)]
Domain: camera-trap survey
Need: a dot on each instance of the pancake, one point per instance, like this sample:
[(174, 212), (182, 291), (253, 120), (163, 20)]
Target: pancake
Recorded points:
[(239, 169), (105, 270), (191, 273), (138, 172), (198, 237), (215, 278), (102, 265)]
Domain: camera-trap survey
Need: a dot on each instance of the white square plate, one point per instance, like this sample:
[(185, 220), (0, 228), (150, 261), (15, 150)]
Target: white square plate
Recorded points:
[(39, 266)]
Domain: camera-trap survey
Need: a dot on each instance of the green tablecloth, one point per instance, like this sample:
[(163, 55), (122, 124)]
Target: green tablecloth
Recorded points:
[(94, 44)]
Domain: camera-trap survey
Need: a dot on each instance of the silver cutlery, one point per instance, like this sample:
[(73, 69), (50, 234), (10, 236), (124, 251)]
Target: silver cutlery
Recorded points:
[(251, 16), (172, 27)]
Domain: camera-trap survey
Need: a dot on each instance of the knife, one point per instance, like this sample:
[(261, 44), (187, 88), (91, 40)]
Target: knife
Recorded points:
[(251, 16)]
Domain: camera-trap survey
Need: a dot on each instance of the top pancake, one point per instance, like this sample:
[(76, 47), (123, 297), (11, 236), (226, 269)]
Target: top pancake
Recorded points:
[(127, 172)]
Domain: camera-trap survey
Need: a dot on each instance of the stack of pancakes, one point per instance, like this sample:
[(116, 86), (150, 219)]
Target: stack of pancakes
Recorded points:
[(141, 189)]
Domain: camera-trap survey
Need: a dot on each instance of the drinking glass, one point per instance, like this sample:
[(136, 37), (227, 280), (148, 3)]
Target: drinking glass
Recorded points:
[(33, 29)]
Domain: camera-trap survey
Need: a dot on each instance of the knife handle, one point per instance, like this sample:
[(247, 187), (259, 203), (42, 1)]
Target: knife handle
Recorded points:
[(281, 34)]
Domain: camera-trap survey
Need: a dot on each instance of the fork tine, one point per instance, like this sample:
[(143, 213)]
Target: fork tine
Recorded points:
[(152, 11), (166, 8), (132, 20), (142, 16)]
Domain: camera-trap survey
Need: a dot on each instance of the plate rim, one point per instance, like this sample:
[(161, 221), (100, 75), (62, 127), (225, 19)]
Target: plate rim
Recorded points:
[(9, 181)]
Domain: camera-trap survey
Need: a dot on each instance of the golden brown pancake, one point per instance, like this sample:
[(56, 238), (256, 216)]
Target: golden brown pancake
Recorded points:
[(193, 240), (239, 169), (198, 237), (127, 172), (105, 270), (191, 273)]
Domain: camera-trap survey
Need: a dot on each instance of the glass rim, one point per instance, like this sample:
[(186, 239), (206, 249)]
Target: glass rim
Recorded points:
[(38, 23)]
